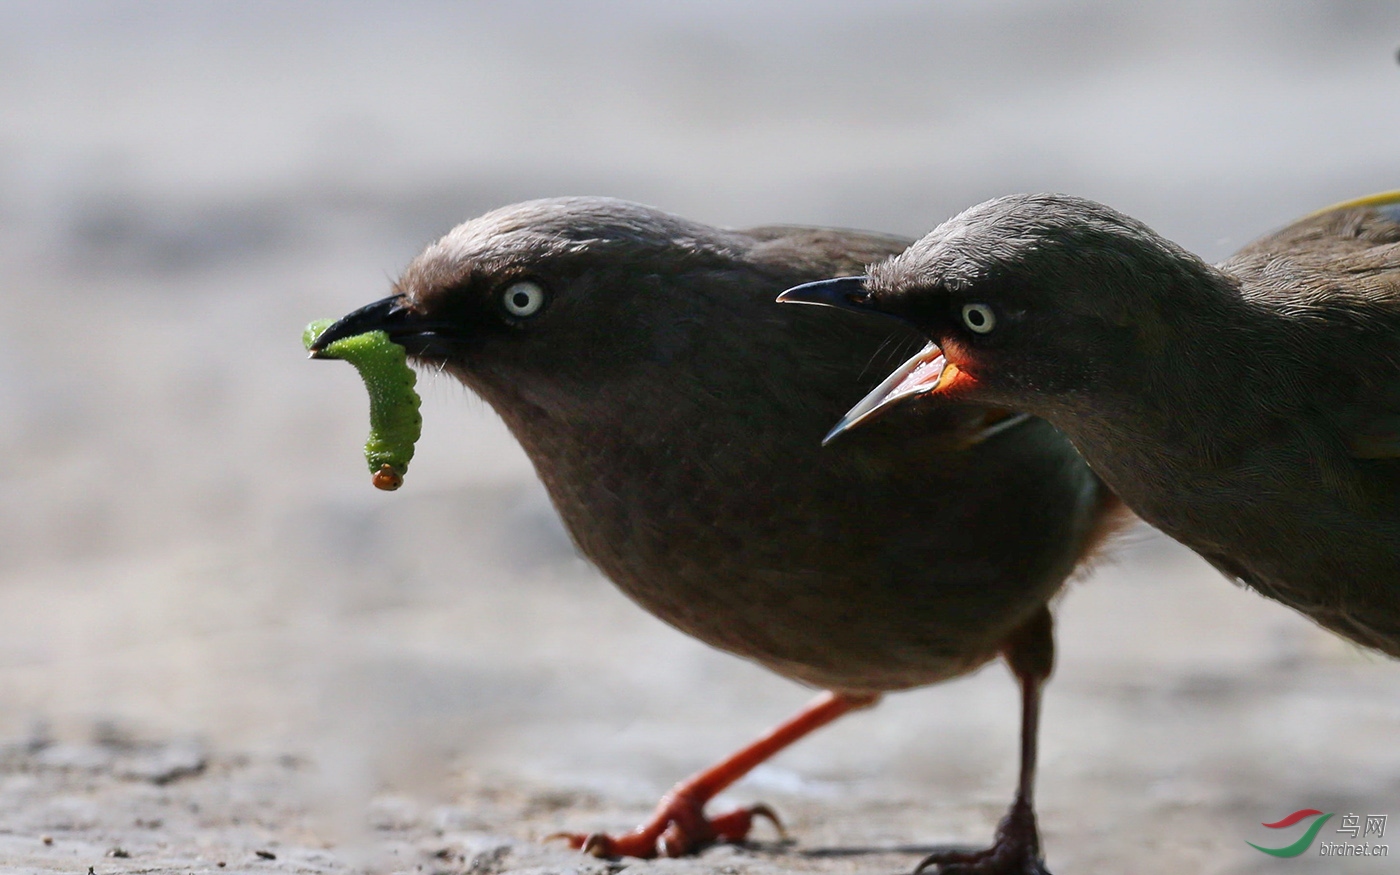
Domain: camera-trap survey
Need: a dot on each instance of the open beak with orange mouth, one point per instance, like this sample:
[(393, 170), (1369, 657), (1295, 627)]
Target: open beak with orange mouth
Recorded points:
[(925, 373)]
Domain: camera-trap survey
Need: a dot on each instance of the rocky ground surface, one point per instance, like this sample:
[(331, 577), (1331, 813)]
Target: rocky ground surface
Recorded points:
[(1183, 715)]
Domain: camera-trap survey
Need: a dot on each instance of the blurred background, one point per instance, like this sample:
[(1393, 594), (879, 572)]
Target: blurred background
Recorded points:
[(191, 546)]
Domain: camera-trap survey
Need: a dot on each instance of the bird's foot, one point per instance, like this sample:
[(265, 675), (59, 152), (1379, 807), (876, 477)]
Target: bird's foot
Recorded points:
[(1016, 850), (678, 828)]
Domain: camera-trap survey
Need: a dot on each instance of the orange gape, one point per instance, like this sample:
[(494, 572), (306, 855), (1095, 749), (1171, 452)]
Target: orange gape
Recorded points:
[(952, 379)]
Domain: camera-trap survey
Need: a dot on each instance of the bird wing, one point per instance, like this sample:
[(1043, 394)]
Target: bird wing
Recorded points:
[(1382, 201), (1339, 240), (1336, 276), (1338, 269)]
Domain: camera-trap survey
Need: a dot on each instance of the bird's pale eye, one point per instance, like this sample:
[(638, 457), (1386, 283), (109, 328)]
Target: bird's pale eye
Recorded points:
[(523, 299), (979, 318)]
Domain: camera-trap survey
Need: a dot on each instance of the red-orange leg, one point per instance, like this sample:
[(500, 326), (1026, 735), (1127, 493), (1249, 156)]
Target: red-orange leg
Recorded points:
[(680, 826)]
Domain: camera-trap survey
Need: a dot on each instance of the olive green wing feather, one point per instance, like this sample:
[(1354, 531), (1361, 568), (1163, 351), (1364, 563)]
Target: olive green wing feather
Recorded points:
[(1342, 240)]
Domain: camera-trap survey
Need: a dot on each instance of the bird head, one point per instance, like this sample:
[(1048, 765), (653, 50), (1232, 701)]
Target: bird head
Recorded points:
[(550, 303), (1032, 302)]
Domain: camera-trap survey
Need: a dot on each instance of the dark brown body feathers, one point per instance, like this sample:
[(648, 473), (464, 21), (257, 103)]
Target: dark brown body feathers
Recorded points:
[(1250, 410), (675, 413)]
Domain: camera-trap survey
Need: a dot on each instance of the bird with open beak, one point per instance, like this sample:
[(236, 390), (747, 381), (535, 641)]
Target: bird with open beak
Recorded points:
[(674, 416), (1250, 410)]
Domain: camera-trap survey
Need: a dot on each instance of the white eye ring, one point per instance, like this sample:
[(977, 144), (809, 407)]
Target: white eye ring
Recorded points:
[(979, 318), (523, 299)]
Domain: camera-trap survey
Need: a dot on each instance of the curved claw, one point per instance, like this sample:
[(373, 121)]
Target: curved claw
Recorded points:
[(596, 845), (764, 811), (988, 862), (942, 858), (1016, 850), (679, 828)]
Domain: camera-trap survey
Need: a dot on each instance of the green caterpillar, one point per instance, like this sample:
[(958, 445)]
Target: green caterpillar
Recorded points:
[(394, 421)]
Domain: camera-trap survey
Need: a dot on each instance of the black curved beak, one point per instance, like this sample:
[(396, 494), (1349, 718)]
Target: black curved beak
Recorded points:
[(847, 293), (385, 315), (392, 316), (920, 375)]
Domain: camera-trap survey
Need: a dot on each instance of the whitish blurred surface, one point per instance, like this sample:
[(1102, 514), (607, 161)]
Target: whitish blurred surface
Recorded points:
[(192, 547)]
